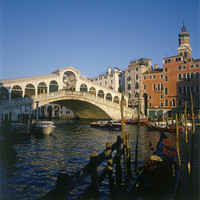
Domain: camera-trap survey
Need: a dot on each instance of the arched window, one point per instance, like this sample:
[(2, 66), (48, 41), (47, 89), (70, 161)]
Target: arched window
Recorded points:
[(172, 102), (100, 93), (188, 75), (166, 102), (30, 90), (83, 87), (184, 76), (42, 88), (166, 91), (109, 96), (16, 92), (92, 91), (136, 86), (192, 75), (166, 78), (129, 78), (4, 95), (116, 99), (53, 86), (179, 77), (129, 87), (197, 75)]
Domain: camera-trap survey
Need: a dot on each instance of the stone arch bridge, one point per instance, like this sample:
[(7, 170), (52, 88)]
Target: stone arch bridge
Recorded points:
[(65, 87)]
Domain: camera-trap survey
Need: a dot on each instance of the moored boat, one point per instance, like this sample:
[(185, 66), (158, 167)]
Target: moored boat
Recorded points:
[(19, 130), (135, 121), (43, 127), (160, 175), (110, 124)]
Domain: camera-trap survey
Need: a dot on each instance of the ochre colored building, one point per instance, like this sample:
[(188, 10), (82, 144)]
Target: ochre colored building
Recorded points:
[(168, 88)]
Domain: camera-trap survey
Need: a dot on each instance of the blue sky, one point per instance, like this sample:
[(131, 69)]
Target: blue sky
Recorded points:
[(41, 36)]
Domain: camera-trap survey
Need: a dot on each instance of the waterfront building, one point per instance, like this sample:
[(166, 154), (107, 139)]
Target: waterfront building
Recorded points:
[(133, 81), (112, 79), (168, 89)]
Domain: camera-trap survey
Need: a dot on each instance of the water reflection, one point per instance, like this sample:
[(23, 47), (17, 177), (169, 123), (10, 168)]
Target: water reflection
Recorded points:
[(29, 167)]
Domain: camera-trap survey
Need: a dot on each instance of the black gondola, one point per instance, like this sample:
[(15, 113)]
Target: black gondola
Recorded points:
[(160, 175)]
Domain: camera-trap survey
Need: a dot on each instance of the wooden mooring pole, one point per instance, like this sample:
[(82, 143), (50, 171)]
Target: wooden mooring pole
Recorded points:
[(177, 141), (186, 139), (124, 141)]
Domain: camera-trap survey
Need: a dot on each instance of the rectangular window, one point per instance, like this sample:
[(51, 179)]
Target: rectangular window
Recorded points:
[(178, 59), (179, 90), (145, 87), (197, 66), (154, 76), (105, 77), (150, 77), (197, 89), (161, 76), (184, 67), (161, 96), (154, 86), (161, 104), (145, 77), (179, 67), (166, 69), (149, 104), (158, 86), (191, 66)]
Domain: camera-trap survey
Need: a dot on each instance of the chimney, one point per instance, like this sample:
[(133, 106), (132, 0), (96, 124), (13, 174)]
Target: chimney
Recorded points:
[(109, 70)]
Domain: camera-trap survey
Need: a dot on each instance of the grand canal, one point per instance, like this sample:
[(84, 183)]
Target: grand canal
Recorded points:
[(29, 166)]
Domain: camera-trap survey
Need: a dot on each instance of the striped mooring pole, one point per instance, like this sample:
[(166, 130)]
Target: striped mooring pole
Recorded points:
[(37, 114)]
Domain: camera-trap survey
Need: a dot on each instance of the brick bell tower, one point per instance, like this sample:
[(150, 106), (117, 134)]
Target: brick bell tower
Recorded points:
[(184, 48)]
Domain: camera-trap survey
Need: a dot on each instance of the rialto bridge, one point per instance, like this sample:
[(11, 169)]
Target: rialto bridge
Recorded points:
[(65, 87)]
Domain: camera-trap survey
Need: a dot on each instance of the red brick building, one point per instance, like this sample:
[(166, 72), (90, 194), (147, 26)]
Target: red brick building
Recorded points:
[(168, 88)]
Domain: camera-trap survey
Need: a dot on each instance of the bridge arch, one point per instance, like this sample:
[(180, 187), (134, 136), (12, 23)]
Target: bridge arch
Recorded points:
[(83, 87), (29, 90), (16, 92), (116, 99), (93, 91), (42, 88), (53, 86), (84, 109), (101, 93), (4, 94), (109, 96)]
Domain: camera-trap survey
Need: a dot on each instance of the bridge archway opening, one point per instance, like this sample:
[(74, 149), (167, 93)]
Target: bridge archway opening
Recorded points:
[(16, 92), (83, 109), (101, 93), (53, 86), (69, 78), (49, 112), (29, 90), (43, 111), (42, 88), (109, 97), (92, 91), (83, 87), (56, 111), (116, 99), (4, 94)]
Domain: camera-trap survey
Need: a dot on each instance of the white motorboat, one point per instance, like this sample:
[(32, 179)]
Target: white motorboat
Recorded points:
[(43, 127)]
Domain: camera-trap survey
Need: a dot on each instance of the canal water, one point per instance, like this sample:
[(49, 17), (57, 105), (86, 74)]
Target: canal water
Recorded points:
[(29, 166)]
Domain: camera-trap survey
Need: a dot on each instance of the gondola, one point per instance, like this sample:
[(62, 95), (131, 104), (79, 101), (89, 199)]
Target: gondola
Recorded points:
[(160, 175)]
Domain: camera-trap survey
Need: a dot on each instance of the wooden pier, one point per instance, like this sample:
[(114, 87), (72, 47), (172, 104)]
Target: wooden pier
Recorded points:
[(113, 156)]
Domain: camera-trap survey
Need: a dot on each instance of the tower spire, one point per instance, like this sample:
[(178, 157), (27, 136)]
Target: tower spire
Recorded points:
[(184, 48)]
